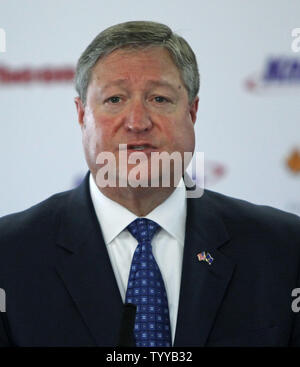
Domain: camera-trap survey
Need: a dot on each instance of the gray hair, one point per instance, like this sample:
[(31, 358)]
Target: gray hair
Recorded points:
[(138, 34)]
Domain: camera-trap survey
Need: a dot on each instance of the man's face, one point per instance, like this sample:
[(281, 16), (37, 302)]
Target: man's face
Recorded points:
[(136, 97)]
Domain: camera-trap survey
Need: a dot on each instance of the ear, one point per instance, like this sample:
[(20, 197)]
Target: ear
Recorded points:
[(194, 109), (80, 111)]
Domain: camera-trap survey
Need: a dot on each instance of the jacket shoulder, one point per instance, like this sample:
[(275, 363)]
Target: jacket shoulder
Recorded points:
[(255, 217), (32, 222)]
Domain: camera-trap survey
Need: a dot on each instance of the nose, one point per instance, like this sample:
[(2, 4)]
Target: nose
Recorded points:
[(138, 118)]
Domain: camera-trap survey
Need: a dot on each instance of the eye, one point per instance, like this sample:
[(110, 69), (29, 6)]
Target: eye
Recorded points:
[(114, 99), (161, 99)]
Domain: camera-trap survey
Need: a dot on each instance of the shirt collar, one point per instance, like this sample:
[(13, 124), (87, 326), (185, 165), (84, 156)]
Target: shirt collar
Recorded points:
[(170, 215)]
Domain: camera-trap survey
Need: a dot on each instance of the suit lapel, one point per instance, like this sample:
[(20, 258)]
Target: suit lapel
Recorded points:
[(85, 268), (203, 286)]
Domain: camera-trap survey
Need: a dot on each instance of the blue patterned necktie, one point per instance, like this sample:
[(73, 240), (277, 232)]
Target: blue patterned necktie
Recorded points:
[(147, 291)]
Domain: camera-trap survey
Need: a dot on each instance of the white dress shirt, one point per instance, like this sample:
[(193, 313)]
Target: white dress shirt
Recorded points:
[(167, 243)]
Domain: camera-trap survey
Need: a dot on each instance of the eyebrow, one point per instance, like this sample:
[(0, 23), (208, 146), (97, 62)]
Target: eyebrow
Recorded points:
[(162, 83), (153, 83)]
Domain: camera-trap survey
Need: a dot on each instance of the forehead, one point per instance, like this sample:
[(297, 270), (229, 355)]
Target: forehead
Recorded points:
[(137, 66)]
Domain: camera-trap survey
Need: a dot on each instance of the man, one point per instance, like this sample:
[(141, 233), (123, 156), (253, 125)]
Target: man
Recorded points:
[(206, 271)]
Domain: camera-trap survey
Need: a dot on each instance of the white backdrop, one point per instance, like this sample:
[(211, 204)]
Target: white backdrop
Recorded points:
[(247, 134)]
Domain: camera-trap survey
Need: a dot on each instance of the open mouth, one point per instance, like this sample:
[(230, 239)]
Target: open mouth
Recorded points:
[(140, 147)]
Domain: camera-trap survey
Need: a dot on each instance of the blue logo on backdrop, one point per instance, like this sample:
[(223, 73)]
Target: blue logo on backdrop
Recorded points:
[(279, 73), (283, 70)]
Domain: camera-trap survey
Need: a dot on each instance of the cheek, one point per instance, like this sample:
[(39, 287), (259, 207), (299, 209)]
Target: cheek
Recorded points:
[(97, 125), (186, 142), (181, 135), (190, 137), (105, 127), (97, 134), (92, 140)]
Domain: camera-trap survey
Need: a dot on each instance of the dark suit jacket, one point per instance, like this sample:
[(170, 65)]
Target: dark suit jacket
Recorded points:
[(61, 290)]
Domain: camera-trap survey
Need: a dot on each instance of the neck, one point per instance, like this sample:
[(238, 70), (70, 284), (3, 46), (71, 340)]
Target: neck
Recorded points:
[(140, 201)]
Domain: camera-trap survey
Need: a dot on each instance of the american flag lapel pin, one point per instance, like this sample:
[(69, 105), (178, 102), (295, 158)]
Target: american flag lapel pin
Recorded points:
[(205, 256)]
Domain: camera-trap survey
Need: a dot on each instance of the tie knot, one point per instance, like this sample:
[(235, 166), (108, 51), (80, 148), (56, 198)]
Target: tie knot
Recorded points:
[(143, 229)]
